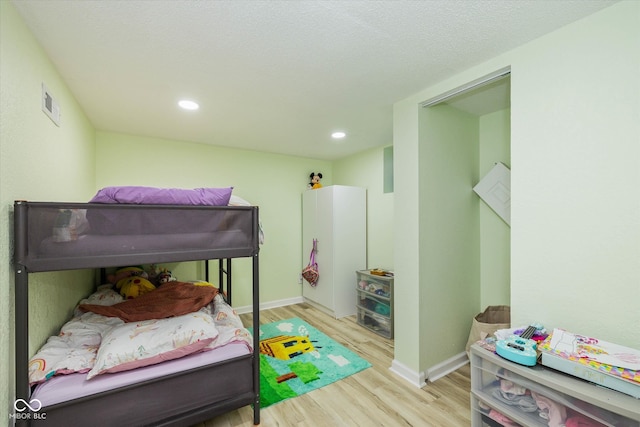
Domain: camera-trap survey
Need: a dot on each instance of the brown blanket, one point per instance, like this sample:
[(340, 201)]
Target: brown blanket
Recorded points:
[(170, 299)]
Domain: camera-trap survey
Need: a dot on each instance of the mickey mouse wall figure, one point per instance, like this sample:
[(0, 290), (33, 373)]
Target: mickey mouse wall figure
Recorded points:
[(315, 181)]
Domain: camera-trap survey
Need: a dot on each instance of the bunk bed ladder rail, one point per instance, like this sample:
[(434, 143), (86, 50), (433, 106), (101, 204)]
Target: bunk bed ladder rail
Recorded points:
[(256, 313), (225, 271), (256, 340), (224, 276), (21, 310)]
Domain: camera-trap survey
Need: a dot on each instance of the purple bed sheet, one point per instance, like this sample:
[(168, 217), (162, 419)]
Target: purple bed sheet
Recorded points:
[(64, 388)]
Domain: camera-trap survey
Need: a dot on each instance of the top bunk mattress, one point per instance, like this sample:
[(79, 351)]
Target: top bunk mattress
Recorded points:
[(61, 236)]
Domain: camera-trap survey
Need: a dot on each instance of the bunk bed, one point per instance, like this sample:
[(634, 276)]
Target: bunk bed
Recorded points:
[(113, 235)]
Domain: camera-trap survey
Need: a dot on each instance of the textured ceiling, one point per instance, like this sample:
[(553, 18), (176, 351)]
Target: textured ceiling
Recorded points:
[(275, 76)]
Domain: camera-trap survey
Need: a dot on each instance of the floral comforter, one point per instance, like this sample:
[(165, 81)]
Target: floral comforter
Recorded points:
[(95, 344)]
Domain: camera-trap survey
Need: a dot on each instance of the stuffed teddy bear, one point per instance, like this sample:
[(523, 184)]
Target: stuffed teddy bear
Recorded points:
[(134, 286), (315, 181)]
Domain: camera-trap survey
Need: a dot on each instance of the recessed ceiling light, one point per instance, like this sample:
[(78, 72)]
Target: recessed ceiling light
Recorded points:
[(338, 135), (188, 105)]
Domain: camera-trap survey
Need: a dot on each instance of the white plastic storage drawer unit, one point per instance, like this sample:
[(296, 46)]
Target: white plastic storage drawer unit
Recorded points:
[(374, 302), (540, 396)]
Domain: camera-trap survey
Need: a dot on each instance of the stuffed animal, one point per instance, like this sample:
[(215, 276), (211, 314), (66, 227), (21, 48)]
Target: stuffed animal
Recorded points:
[(202, 283), (315, 181), (133, 287), (165, 276), (152, 273), (126, 272)]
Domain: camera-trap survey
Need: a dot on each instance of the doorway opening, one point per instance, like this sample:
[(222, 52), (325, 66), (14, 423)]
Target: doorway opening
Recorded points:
[(464, 133)]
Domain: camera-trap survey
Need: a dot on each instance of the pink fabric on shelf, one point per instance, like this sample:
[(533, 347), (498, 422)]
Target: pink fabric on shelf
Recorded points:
[(497, 416), (508, 387), (581, 421), (577, 419), (557, 413)]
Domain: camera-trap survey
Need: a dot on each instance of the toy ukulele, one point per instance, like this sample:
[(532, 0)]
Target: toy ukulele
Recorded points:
[(520, 349)]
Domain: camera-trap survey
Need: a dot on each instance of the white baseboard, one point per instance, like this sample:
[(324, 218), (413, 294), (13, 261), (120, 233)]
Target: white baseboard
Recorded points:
[(418, 379), (446, 367), (271, 304)]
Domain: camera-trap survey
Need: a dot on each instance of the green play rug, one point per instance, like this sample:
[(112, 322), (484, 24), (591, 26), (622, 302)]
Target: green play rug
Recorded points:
[(301, 359)]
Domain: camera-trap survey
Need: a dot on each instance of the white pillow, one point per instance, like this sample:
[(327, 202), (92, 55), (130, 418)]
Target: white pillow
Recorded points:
[(136, 344)]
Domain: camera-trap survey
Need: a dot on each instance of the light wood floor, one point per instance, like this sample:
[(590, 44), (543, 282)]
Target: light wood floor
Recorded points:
[(373, 397)]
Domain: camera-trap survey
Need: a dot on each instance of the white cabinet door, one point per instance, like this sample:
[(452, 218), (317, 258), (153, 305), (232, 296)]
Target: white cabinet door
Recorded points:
[(349, 246), (336, 217), (317, 224)]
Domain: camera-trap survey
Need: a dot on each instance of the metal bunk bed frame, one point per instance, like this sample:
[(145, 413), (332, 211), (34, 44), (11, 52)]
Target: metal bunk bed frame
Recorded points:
[(24, 264)]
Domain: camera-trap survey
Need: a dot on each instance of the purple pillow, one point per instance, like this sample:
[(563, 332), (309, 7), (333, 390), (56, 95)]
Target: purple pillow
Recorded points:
[(155, 221), (164, 196)]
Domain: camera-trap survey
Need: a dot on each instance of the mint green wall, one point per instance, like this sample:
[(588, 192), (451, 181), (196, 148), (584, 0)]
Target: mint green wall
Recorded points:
[(272, 182), (464, 245), (495, 234), (366, 170), (406, 257), (449, 230), (575, 210), (575, 152), (38, 161)]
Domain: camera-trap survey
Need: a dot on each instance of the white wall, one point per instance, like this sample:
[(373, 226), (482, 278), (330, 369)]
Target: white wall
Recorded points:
[(38, 161), (575, 156)]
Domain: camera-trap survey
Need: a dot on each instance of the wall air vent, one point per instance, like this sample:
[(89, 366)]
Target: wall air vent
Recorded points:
[(50, 106)]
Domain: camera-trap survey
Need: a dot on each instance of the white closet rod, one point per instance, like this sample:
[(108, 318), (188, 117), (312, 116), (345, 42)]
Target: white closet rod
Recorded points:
[(482, 81)]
